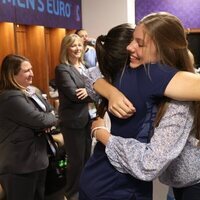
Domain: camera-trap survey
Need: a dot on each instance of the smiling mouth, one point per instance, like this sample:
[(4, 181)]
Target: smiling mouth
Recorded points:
[(134, 58)]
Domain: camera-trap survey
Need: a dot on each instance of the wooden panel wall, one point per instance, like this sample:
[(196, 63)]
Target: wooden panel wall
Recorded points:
[(7, 39), (36, 52), (41, 45), (21, 43), (53, 41)]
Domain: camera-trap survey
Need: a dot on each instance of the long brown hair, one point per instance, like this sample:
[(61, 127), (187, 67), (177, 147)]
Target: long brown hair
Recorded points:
[(169, 37)]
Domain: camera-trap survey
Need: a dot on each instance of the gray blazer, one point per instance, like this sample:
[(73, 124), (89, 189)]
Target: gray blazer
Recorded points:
[(22, 150), (73, 112)]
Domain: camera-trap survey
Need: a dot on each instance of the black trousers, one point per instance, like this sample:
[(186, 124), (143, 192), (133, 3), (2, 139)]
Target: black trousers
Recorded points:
[(30, 186), (187, 193), (78, 149)]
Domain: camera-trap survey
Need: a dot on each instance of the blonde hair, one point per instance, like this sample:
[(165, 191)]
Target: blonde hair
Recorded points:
[(67, 41)]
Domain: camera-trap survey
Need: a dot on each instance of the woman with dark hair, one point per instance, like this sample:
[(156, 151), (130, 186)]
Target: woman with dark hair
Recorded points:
[(111, 49)]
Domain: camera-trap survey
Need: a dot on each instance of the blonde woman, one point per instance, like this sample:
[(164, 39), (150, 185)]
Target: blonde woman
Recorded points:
[(73, 110)]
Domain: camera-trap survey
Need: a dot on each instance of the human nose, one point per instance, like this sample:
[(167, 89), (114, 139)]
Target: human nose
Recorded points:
[(31, 73), (84, 38), (79, 48), (131, 47)]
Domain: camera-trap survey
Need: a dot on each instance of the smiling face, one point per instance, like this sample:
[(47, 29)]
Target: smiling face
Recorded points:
[(142, 49), (75, 50), (25, 75)]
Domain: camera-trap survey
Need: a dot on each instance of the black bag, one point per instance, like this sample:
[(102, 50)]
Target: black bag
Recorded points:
[(56, 171)]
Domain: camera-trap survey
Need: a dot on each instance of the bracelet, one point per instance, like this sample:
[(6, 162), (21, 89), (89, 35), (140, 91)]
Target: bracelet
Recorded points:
[(93, 131)]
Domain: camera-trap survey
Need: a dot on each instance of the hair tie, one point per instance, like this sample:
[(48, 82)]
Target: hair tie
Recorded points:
[(102, 38)]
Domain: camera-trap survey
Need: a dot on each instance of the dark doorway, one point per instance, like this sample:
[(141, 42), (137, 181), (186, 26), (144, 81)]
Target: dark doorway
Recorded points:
[(194, 46)]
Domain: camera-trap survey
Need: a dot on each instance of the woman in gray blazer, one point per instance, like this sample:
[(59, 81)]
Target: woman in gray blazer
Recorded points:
[(73, 110), (23, 150)]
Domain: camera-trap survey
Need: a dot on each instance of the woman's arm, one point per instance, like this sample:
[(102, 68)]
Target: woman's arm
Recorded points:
[(184, 86), (119, 105), (148, 161)]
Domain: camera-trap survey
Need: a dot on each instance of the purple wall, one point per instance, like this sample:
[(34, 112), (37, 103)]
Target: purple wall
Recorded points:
[(186, 10), (49, 13)]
